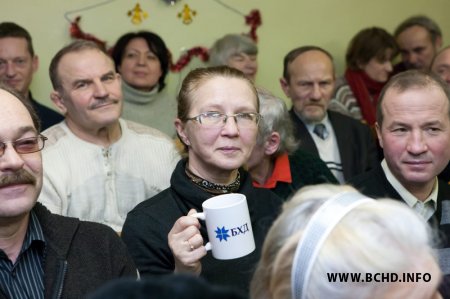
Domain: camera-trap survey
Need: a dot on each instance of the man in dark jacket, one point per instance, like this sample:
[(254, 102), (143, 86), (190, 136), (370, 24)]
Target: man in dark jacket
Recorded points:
[(343, 143), (18, 63), (44, 255), (413, 127)]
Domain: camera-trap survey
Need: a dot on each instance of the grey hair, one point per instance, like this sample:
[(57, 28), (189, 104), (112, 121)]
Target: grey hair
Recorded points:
[(382, 236), (229, 45), (275, 118), (408, 80), (423, 21)]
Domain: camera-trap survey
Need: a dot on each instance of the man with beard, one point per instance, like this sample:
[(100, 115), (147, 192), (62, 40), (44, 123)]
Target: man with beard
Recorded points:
[(97, 166), (43, 255), (343, 143)]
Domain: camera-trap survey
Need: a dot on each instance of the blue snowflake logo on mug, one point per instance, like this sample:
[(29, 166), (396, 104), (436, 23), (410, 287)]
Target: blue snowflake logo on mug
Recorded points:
[(222, 233)]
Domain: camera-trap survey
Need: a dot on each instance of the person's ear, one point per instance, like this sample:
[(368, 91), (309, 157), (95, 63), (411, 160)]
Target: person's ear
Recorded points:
[(378, 129), (285, 86), (35, 63), (360, 65), (180, 127), (58, 100), (272, 143), (438, 42)]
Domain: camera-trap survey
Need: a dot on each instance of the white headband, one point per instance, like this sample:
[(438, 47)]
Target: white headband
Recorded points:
[(314, 235)]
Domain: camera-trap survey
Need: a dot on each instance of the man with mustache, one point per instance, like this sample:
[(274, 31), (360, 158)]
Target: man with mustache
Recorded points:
[(43, 255), (98, 166), (344, 144), (18, 63), (418, 38), (413, 127)]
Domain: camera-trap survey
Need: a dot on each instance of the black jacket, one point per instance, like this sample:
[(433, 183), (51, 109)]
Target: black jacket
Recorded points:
[(147, 226), (47, 116), (306, 169), (79, 256), (375, 184), (355, 142)]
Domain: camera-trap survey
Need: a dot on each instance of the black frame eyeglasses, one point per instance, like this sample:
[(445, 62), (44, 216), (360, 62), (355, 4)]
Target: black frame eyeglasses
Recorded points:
[(25, 145), (218, 120)]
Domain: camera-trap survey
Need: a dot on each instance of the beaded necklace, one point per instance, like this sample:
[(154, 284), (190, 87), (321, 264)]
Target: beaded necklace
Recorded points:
[(214, 188)]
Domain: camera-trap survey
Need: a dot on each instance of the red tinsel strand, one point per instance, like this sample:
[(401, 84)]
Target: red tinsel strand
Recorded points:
[(200, 52), (254, 20), (76, 32)]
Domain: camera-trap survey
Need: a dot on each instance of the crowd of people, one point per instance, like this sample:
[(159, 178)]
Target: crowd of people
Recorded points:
[(114, 215)]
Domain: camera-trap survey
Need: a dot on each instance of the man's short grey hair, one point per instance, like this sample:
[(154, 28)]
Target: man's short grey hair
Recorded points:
[(229, 45), (423, 21), (275, 118), (408, 80), (73, 47), (353, 246)]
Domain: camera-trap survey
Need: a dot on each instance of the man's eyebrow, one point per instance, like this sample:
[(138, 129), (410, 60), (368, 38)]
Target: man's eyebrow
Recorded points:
[(75, 82), (26, 129), (110, 73)]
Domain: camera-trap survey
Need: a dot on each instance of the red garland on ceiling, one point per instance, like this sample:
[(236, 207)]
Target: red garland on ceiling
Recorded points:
[(253, 19)]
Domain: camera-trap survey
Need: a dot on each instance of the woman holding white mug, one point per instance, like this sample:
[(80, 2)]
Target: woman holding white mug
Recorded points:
[(217, 122)]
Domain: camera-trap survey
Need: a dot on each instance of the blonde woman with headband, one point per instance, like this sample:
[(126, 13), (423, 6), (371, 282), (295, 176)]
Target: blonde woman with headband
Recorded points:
[(328, 231)]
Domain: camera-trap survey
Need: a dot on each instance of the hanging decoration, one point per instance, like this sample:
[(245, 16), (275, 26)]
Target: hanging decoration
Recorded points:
[(187, 14), (200, 52), (137, 14), (253, 19), (171, 2), (76, 32)]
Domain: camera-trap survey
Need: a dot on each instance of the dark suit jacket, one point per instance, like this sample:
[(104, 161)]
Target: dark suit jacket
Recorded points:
[(47, 116), (375, 184), (355, 142)]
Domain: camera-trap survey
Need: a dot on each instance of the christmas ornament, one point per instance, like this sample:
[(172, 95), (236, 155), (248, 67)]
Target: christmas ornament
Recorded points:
[(254, 20), (137, 14), (186, 14)]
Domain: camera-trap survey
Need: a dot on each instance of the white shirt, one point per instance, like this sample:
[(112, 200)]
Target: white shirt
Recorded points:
[(423, 208), (94, 183)]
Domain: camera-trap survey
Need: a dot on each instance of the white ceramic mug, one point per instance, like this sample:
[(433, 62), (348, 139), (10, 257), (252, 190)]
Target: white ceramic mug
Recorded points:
[(228, 225)]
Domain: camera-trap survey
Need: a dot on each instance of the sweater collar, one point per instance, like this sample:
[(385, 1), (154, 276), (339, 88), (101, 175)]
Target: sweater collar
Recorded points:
[(133, 95)]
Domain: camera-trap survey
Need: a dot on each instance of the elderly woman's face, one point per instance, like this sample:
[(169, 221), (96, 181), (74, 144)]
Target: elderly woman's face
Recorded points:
[(140, 67), (224, 147), (245, 63)]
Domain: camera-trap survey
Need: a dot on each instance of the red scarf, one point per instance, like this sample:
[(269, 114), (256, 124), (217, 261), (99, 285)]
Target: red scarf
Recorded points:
[(366, 91)]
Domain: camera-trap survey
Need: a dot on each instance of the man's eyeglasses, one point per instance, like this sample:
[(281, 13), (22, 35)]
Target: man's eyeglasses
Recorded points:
[(25, 145), (217, 119)]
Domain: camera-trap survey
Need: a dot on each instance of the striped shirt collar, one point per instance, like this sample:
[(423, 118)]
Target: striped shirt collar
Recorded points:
[(25, 279), (34, 233)]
